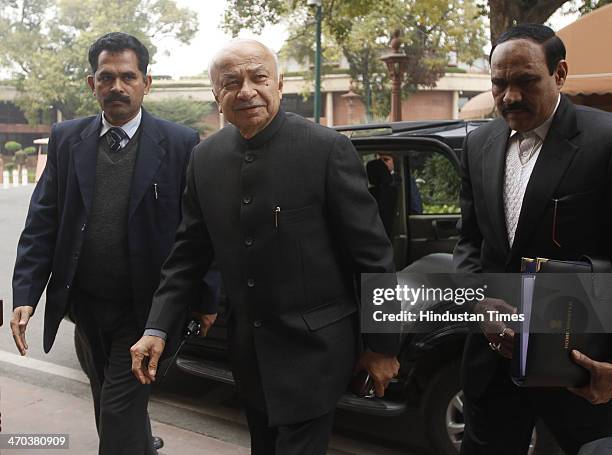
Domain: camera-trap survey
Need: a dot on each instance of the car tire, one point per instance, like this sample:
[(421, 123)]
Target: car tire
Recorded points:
[(443, 412), (444, 436)]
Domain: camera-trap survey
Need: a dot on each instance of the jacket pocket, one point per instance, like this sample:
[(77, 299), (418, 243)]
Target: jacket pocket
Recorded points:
[(294, 216), (574, 199), (328, 313)]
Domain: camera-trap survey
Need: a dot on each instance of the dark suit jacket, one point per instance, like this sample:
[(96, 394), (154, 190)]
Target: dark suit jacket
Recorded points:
[(54, 231), (288, 274), (574, 168)]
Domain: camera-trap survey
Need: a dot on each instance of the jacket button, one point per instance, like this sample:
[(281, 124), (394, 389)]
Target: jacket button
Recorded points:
[(83, 227), (247, 200), (257, 324), (68, 286), (251, 283), (248, 241), (75, 256), (249, 157)]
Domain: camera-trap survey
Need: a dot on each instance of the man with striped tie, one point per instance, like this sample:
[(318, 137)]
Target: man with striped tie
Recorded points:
[(100, 224)]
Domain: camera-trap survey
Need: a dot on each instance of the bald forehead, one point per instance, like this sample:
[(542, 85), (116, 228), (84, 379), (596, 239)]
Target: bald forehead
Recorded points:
[(245, 46), (242, 53)]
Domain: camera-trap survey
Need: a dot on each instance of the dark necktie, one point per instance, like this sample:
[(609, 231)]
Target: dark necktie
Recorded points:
[(114, 136)]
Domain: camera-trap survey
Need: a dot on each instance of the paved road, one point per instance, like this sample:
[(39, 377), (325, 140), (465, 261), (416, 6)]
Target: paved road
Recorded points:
[(46, 393)]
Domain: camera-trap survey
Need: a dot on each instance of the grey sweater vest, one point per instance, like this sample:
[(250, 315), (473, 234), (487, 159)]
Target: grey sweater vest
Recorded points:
[(103, 272)]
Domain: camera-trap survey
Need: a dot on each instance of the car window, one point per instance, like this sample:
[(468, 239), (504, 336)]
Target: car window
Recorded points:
[(434, 184)]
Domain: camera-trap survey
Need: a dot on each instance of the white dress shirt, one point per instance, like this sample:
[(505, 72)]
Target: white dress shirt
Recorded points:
[(518, 172)]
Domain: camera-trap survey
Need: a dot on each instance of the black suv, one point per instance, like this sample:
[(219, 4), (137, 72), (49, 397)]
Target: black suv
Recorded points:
[(426, 175)]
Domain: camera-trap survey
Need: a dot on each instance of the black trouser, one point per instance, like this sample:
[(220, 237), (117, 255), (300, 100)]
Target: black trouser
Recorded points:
[(501, 421), (120, 401), (304, 438)]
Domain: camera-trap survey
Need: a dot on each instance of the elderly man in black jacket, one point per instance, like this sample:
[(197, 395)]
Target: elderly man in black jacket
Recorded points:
[(282, 205)]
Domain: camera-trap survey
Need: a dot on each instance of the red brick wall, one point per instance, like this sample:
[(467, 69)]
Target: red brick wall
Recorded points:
[(428, 105), (425, 105), (341, 116), (18, 128)]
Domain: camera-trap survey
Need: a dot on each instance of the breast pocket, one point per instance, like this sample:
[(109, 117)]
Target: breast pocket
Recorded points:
[(295, 216), (571, 213), (569, 201)]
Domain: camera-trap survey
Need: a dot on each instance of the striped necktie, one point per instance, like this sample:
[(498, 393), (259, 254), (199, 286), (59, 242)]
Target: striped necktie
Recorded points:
[(114, 136)]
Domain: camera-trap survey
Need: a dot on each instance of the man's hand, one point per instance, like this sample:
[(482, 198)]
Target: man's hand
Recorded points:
[(19, 323), (206, 322), (151, 348), (382, 369), (599, 390), (501, 338)]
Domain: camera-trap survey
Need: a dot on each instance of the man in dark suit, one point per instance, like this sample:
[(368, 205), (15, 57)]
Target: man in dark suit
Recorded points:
[(536, 183), (100, 224), (290, 223)]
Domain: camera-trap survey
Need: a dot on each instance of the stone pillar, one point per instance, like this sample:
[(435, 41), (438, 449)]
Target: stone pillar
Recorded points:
[(455, 113), (329, 108)]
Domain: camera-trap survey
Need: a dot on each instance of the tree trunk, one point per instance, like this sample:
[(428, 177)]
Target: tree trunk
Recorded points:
[(503, 14)]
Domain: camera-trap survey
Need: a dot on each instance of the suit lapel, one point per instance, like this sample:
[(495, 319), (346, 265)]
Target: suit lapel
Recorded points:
[(85, 156), (494, 158), (555, 156), (150, 156)]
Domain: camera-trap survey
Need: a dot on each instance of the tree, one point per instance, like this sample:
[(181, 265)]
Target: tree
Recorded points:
[(590, 5), (20, 159), (184, 112), (30, 151), (45, 43), (360, 31), (11, 147), (503, 14), (13, 155), (430, 29)]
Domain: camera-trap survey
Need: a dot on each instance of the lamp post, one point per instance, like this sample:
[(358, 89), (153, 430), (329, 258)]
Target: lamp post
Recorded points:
[(396, 62), (350, 97), (317, 91)]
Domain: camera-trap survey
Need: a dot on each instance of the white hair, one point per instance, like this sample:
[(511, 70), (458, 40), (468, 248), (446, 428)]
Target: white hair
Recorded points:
[(217, 55)]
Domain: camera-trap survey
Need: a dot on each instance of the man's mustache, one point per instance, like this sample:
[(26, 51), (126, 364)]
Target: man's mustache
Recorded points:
[(116, 97), (514, 107)]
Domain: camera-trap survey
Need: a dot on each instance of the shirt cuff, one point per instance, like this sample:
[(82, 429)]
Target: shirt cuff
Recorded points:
[(155, 333)]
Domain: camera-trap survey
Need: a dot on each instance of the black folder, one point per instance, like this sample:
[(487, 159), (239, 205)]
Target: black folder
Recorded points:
[(544, 359)]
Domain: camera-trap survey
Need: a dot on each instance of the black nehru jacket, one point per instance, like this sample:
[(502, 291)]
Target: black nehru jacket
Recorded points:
[(289, 220)]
